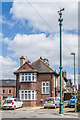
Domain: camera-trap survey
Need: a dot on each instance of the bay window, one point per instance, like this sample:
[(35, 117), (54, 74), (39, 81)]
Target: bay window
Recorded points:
[(27, 95)]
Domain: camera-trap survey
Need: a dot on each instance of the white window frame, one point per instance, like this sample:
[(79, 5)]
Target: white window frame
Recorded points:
[(45, 87), (8, 91), (2, 91), (26, 92), (28, 74)]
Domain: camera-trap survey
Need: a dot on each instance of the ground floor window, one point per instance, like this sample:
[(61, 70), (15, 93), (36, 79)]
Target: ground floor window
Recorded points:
[(27, 95)]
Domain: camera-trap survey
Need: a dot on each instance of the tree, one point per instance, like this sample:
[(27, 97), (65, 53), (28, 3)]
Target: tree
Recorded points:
[(45, 60), (78, 98)]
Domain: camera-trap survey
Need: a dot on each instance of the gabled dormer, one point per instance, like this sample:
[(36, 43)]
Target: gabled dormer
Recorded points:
[(26, 72)]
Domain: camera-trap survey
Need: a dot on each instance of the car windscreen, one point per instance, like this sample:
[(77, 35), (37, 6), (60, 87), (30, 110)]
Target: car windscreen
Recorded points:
[(8, 101), (49, 99)]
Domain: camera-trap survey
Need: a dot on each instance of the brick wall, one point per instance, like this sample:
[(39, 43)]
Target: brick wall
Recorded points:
[(13, 91), (44, 78), (17, 86), (29, 103), (38, 87), (27, 86)]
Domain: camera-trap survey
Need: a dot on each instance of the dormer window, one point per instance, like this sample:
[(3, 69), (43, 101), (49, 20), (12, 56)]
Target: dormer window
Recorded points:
[(28, 77)]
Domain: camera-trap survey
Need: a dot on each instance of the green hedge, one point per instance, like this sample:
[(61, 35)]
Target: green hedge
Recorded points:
[(78, 98)]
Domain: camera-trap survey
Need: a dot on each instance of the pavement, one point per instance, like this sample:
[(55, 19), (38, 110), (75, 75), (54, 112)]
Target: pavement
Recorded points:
[(40, 119), (38, 112)]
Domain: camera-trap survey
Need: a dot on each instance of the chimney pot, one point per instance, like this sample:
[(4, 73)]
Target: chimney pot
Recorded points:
[(28, 61)]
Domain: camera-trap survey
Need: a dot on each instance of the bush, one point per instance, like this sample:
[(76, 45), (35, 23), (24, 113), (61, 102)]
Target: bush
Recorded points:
[(78, 98)]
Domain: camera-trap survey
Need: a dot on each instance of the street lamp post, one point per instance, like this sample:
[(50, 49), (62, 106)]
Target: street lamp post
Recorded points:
[(74, 80), (60, 24)]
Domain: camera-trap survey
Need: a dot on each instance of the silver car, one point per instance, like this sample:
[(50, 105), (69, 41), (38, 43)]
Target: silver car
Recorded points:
[(51, 102)]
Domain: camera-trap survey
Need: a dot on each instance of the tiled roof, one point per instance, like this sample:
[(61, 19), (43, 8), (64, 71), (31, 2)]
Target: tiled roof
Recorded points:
[(36, 66), (26, 67), (7, 83), (41, 67)]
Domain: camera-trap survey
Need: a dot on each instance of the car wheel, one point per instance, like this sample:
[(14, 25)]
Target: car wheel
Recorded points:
[(45, 107)]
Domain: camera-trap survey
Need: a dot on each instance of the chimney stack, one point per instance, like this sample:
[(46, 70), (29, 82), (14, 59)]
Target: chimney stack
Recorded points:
[(64, 73), (22, 60), (28, 61)]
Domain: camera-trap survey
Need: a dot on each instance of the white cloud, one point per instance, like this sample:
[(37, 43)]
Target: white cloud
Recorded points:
[(44, 16), (7, 67), (3, 20), (36, 45), (1, 34)]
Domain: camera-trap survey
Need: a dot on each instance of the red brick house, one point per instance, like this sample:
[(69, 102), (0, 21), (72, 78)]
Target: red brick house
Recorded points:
[(35, 81), (7, 88), (69, 86)]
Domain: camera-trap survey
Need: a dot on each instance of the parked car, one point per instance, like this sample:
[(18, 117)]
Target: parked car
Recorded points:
[(12, 103), (71, 102), (51, 102)]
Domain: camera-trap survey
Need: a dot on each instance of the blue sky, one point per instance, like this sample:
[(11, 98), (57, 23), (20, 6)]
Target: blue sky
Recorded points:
[(32, 30)]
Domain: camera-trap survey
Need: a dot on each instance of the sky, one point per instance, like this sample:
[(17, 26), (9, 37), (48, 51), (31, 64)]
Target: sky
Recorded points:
[(31, 29)]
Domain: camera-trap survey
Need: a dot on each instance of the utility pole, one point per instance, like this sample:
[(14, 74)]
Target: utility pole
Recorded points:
[(60, 24), (74, 80)]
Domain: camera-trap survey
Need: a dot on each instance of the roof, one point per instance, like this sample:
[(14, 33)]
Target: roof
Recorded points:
[(36, 66), (41, 67), (26, 67), (7, 83), (65, 79)]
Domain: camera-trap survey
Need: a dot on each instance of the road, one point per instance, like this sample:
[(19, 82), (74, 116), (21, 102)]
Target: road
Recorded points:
[(38, 113)]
